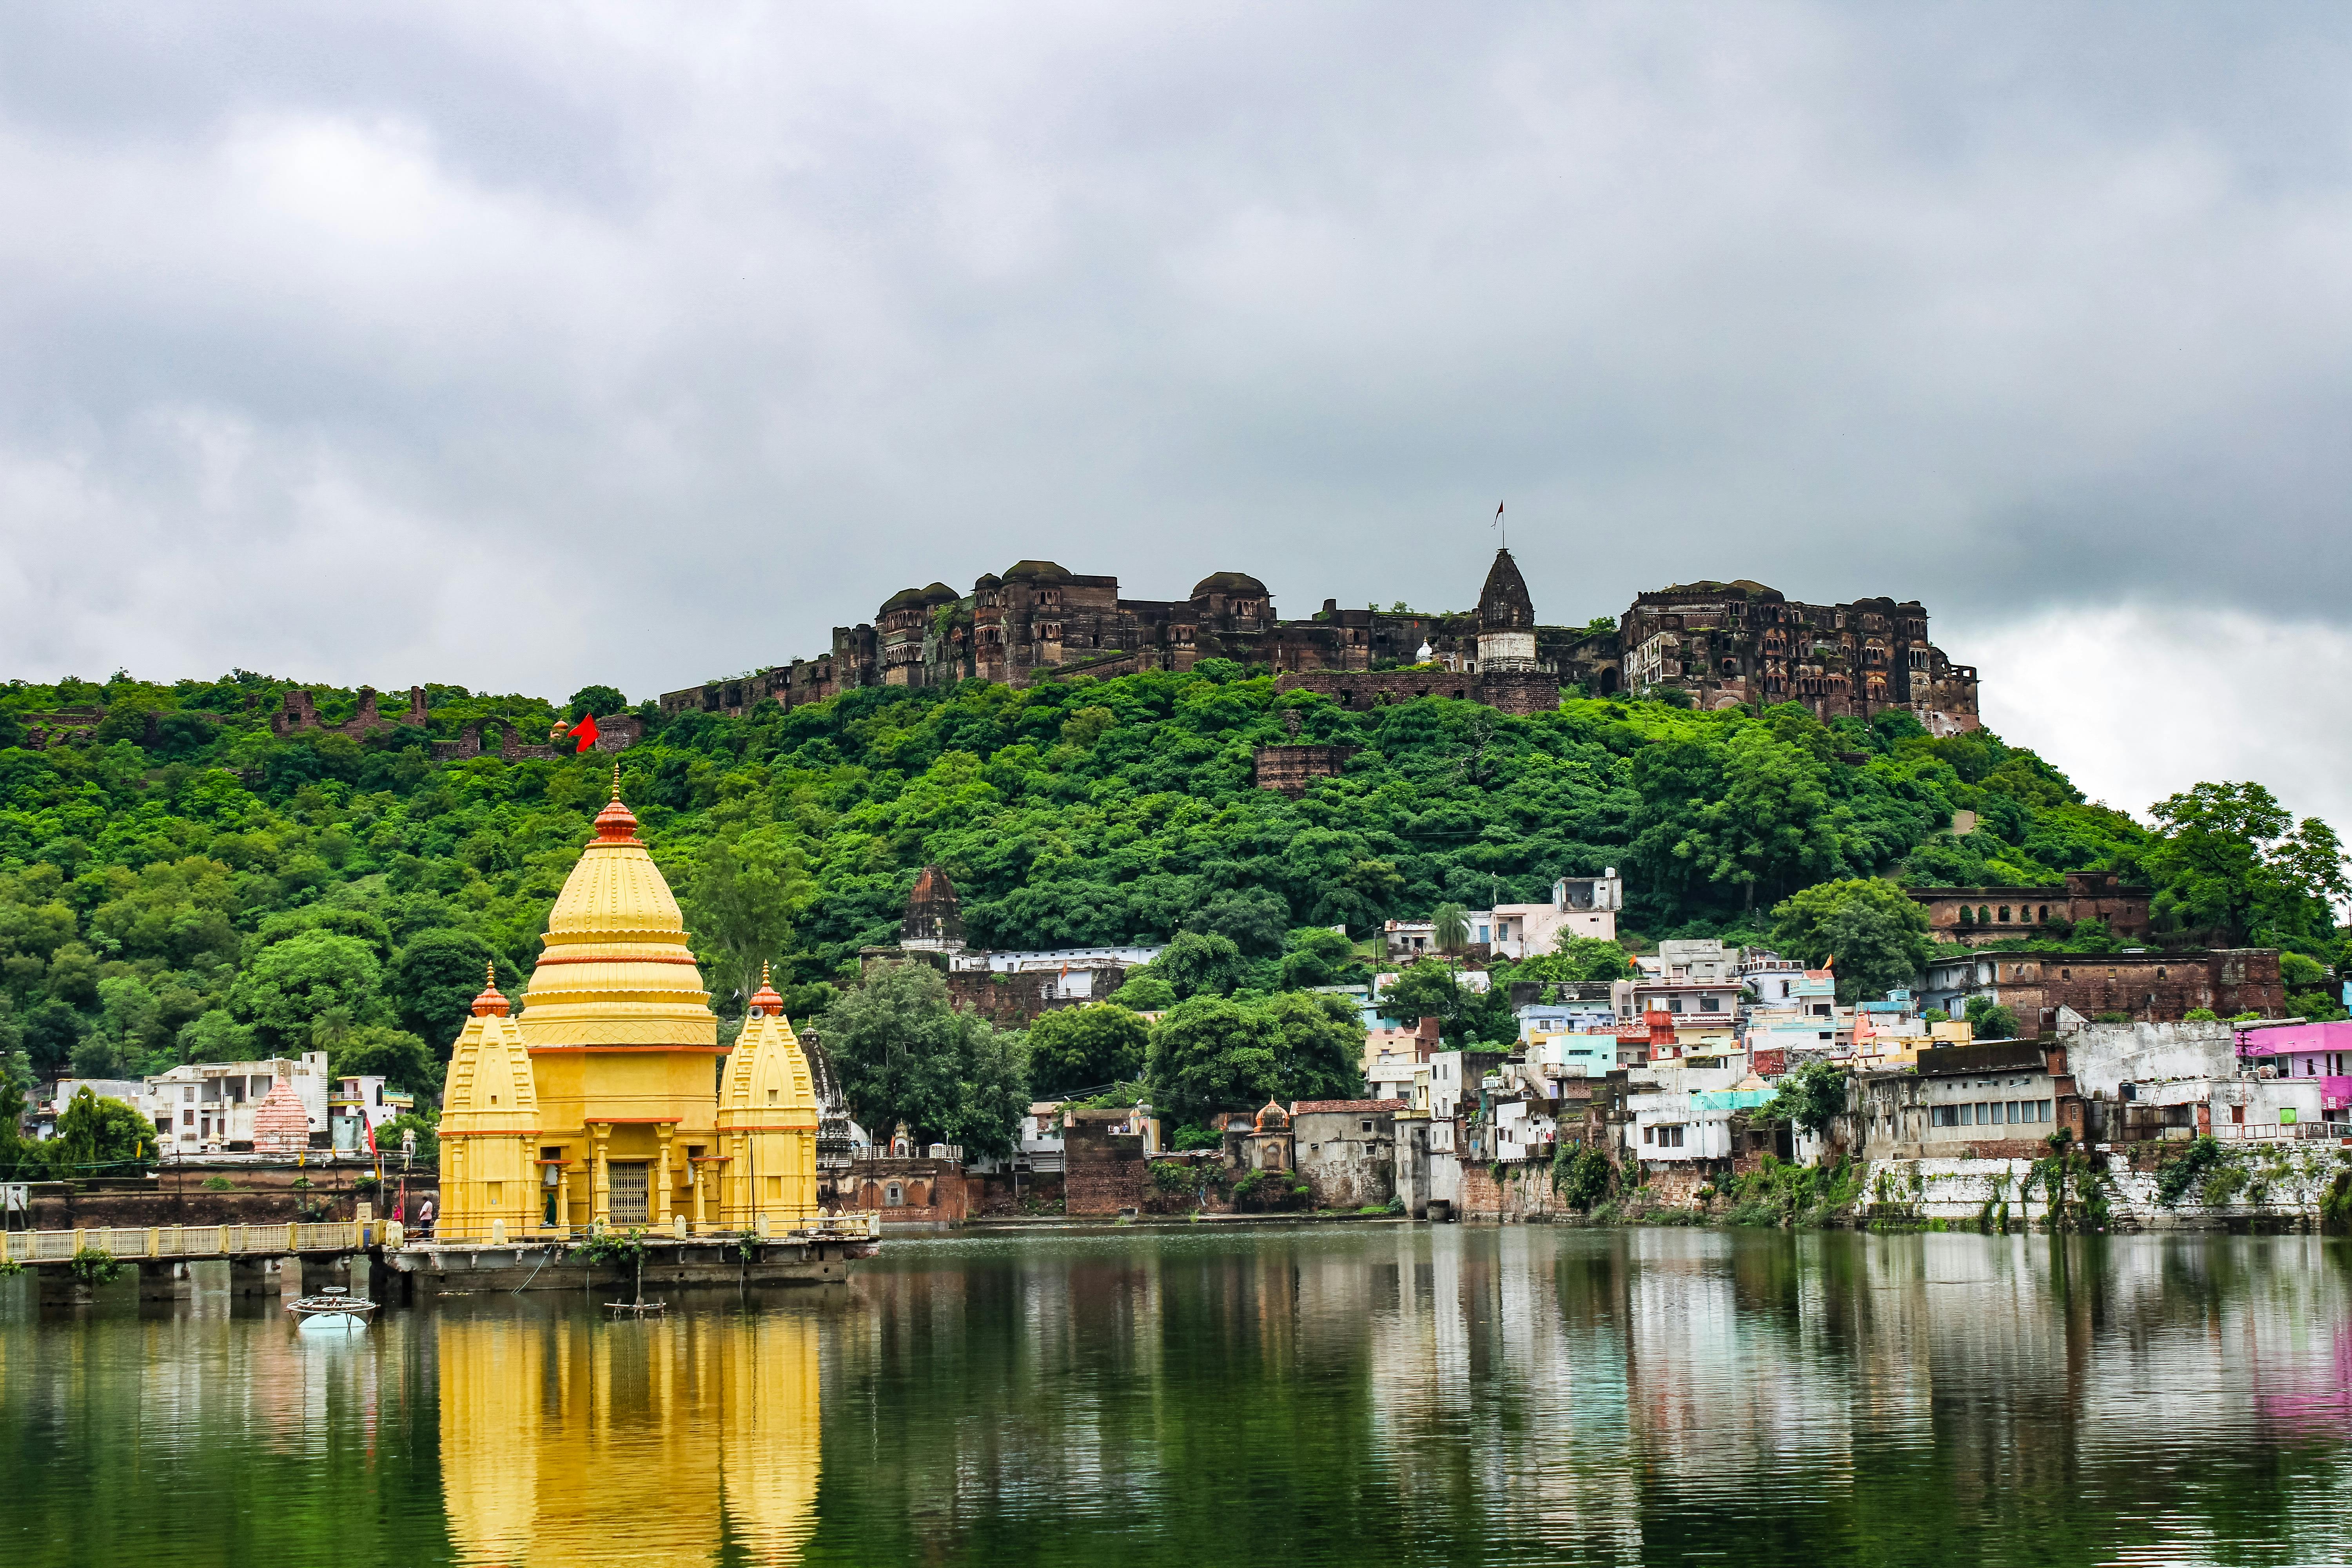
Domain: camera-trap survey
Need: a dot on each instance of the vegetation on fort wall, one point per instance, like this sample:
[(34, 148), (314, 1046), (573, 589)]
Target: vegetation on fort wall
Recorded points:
[(148, 871)]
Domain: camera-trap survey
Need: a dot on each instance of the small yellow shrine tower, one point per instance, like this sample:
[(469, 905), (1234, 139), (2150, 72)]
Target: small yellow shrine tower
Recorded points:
[(489, 1127), (608, 1101), (767, 1121)]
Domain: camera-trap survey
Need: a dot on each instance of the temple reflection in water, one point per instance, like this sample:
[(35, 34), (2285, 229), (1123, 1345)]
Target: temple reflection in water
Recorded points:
[(564, 1437)]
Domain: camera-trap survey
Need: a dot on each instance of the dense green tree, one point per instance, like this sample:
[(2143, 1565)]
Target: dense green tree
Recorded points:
[(1318, 955), (601, 700), (288, 985), (906, 1054), (742, 902), (98, 1136), (2232, 860), (1193, 964), (52, 1030), (401, 1058), (21, 1159), (1578, 958), (434, 980), (1989, 1020), (1811, 1095), (1084, 1048), (1144, 991), (179, 854), (215, 1036), (1254, 919), (1876, 933), (1214, 1052)]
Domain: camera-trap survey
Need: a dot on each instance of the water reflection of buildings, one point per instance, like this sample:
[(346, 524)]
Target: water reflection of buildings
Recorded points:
[(573, 1440)]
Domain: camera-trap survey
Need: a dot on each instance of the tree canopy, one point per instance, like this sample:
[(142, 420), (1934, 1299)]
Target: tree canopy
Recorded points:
[(905, 1054), (181, 855), (1876, 933)]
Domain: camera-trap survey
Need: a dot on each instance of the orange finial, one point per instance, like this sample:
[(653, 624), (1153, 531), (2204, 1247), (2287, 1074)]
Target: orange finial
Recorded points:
[(765, 1002), (492, 1001), (617, 824)]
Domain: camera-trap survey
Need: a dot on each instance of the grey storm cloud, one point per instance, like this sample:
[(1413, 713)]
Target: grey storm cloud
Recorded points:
[(530, 346)]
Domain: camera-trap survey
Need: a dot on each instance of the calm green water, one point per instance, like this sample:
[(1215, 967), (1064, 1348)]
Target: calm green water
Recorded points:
[(1365, 1395)]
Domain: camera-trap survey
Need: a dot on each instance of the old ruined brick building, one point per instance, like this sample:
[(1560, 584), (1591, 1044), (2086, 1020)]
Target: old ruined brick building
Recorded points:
[(1973, 916), (1729, 643), (2150, 987), (1722, 643)]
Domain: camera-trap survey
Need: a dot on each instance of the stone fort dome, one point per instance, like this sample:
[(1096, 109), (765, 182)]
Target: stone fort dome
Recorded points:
[(616, 970), (1035, 572), (1233, 584)]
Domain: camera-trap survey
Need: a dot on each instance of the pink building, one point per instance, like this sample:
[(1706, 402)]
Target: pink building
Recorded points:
[(2322, 1051)]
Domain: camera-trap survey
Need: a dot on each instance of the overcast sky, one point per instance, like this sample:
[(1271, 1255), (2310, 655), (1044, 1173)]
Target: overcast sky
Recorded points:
[(521, 347)]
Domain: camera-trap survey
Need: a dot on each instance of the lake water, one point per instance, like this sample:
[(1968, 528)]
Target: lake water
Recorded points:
[(1365, 1395)]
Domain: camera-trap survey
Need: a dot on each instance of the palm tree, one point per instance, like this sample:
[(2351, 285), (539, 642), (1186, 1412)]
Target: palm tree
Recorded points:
[(1452, 929)]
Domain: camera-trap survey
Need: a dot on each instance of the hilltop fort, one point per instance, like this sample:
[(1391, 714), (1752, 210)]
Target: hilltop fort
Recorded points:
[(1722, 644)]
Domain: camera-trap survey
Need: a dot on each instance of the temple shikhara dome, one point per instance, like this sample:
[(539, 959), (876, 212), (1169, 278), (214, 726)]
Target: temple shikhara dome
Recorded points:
[(608, 1101)]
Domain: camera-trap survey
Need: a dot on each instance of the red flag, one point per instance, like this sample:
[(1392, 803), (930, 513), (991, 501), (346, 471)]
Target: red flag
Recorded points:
[(585, 732), (369, 1127)]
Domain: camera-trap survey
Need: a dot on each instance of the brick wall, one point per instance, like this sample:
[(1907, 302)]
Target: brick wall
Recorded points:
[(931, 1192), (1012, 1000), (2151, 987), (1291, 768), (1512, 693), (1102, 1171), (265, 1197)]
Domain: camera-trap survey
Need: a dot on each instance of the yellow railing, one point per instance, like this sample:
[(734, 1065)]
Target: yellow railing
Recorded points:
[(179, 1241)]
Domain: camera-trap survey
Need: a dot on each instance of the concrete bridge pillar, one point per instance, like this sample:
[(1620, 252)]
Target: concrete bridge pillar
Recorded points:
[(262, 1276), (165, 1280), (319, 1270)]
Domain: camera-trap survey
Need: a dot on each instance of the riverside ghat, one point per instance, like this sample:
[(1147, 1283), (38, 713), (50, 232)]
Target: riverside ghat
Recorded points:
[(604, 1127)]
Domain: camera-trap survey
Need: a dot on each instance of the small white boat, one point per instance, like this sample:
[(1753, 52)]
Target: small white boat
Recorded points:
[(332, 1310)]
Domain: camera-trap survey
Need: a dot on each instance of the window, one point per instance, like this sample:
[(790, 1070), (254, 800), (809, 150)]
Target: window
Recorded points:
[(2004, 914), (1710, 1004), (2008, 1111), (1366, 1126), (2040, 1110), (2043, 918), (894, 1195), (1482, 933)]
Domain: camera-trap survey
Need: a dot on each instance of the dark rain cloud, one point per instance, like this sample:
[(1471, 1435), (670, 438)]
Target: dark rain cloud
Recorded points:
[(526, 346)]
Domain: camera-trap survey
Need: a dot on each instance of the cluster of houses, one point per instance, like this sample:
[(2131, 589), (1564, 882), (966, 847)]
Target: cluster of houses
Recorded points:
[(231, 1111)]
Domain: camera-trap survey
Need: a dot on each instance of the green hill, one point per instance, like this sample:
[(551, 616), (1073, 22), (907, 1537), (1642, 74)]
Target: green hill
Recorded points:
[(181, 882)]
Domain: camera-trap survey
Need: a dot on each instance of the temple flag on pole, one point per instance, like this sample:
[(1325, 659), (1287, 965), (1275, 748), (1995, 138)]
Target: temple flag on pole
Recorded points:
[(585, 732)]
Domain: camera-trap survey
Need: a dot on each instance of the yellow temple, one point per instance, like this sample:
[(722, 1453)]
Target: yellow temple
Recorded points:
[(609, 1101)]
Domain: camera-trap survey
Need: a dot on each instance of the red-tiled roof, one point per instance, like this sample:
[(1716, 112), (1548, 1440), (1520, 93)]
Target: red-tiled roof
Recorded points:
[(1308, 1107)]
